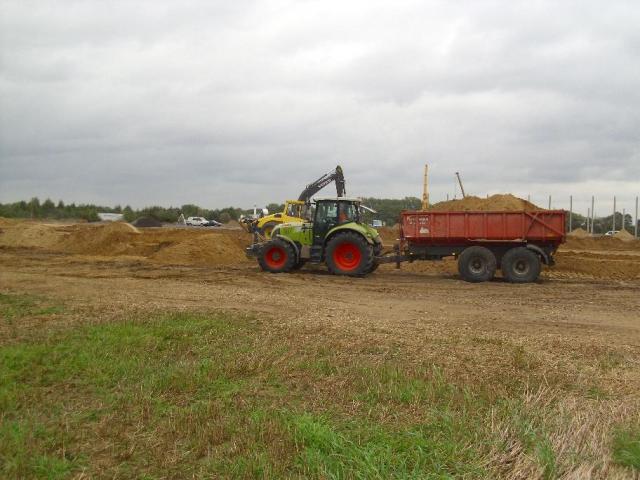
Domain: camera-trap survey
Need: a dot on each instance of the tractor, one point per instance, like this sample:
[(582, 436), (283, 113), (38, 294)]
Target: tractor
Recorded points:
[(336, 236), (297, 210)]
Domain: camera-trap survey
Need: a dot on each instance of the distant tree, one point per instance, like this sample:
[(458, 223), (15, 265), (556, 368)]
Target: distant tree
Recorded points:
[(275, 207), (34, 207), (128, 214), (224, 217)]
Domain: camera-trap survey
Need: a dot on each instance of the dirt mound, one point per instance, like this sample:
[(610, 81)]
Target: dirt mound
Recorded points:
[(579, 233), (506, 202), (596, 265), (599, 243), (163, 245), (7, 221), (625, 236), (146, 222), (30, 235), (111, 239), (210, 249)]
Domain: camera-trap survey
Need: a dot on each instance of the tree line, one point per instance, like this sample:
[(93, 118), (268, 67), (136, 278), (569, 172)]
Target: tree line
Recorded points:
[(34, 208), (388, 210)]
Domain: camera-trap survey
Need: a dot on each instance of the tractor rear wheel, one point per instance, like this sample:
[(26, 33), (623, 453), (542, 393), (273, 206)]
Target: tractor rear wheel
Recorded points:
[(277, 256), (477, 264), (520, 265), (348, 253)]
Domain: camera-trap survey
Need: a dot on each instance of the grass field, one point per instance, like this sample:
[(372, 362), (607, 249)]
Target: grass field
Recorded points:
[(196, 394)]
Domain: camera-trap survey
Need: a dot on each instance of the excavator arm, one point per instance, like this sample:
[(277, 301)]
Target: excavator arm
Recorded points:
[(336, 176)]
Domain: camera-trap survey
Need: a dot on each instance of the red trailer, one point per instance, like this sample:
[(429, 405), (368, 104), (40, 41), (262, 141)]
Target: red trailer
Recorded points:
[(518, 243)]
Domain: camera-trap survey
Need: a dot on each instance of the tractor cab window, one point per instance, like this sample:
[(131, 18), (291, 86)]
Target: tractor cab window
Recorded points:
[(348, 212), (327, 214)]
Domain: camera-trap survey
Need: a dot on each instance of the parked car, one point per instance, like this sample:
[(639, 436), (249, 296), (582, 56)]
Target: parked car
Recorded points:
[(212, 223), (611, 233), (197, 221)]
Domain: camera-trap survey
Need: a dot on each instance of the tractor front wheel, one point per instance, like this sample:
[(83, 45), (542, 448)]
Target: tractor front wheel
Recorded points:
[(277, 256), (349, 253)]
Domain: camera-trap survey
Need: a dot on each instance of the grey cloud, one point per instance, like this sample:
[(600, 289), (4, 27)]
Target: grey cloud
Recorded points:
[(224, 103)]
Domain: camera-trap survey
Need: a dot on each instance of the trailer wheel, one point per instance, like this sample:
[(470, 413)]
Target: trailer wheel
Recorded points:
[(521, 265), (477, 264), (277, 256), (349, 253)]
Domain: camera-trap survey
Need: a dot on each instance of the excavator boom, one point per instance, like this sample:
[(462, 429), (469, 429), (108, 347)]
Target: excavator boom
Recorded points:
[(336, 176)]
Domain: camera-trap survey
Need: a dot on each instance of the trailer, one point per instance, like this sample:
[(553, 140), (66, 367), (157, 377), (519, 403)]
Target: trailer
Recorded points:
[(518, 243)]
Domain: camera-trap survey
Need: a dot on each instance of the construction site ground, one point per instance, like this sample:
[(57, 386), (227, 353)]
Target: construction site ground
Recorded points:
[(565, 350)]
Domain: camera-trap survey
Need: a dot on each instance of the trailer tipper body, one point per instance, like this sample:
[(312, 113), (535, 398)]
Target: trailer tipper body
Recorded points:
[(515, 242)]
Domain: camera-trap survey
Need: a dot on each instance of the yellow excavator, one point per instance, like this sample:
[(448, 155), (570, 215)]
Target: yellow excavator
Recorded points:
[(298, 210)]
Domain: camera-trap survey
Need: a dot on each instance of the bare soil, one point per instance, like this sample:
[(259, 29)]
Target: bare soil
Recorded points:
[(576, 331), (591, 297)]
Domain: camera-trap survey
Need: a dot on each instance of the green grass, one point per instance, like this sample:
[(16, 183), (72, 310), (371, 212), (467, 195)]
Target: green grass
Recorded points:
[(212, 395), (626, 447)]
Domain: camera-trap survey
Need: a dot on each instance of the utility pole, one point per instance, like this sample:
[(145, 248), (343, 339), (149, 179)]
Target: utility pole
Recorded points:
[(461, 187), (613, 219), (570, 213), (588, 220), (636, 224), (549, 202), (593, 216), (425, 188)]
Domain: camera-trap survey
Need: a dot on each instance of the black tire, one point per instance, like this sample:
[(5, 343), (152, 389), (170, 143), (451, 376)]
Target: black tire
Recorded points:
[(299, 264), (377, 250), (521, 265), (477, 264), (277, 256), (348, 253), (266, 229)]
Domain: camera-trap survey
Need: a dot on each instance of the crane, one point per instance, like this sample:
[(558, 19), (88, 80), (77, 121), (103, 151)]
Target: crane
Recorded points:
[(461, 187)]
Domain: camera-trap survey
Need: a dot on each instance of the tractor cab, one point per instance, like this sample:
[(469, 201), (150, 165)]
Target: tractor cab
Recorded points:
[(332, 212)]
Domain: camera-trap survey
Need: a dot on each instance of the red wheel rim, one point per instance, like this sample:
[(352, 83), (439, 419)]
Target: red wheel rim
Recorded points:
[(347, 256), (275, 257)]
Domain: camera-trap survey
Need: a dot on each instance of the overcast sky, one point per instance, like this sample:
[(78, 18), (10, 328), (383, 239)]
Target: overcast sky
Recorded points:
[(240, 102)]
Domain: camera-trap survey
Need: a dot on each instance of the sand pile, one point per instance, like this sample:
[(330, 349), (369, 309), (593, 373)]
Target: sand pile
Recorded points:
[(201, 250), (600, 243), (625, 236), (161, 245), (116, 238), (30, 235), (497, 202), (579, 233), (595, 265)]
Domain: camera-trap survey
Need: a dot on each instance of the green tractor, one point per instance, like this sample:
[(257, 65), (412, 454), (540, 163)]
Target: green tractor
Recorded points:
[(336, 236)]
